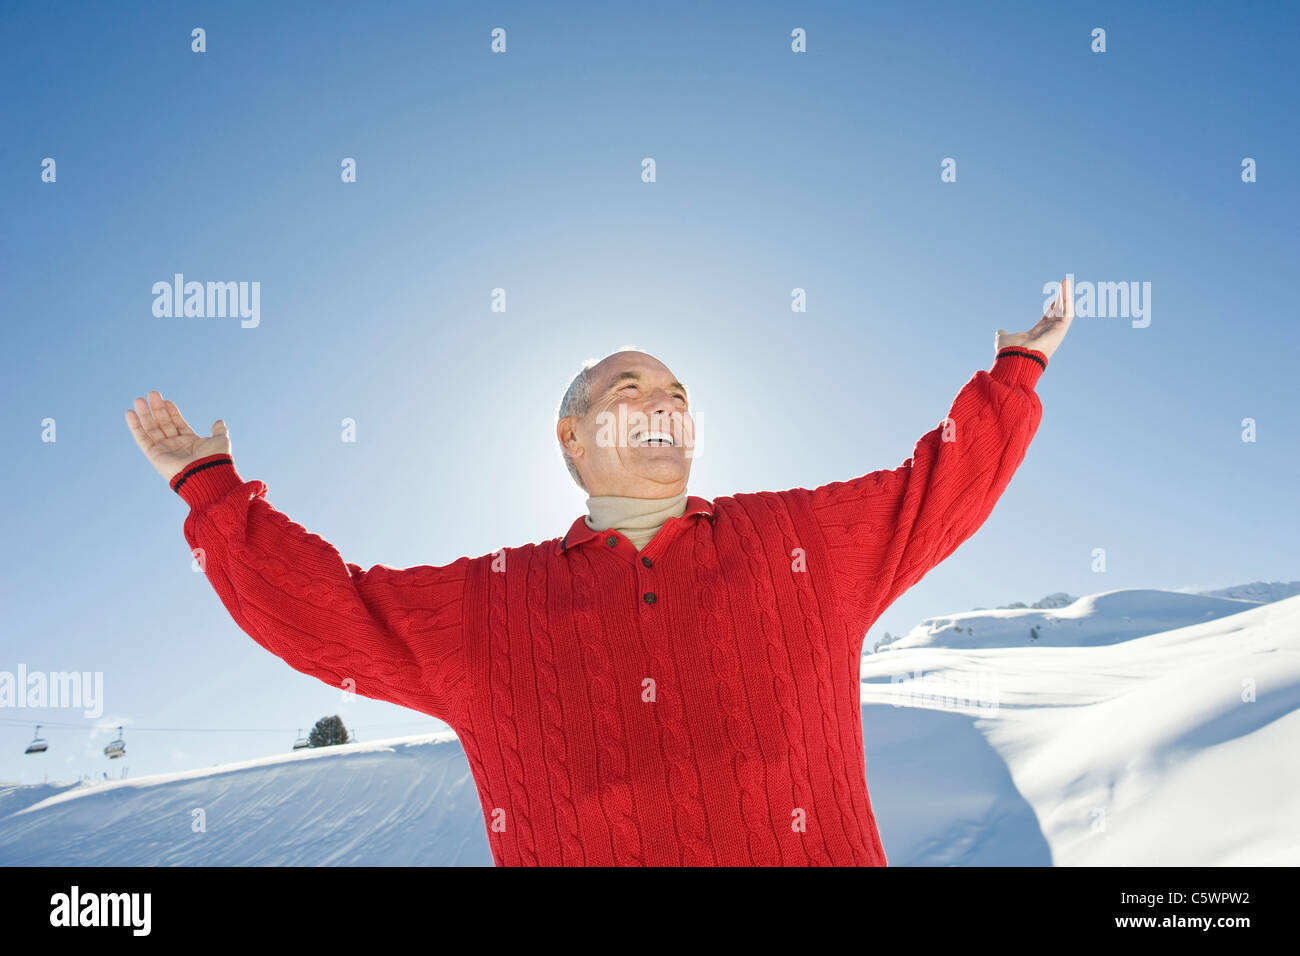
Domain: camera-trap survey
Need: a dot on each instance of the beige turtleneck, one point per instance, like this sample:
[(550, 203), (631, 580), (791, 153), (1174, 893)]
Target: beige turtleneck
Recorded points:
[(637, 519)]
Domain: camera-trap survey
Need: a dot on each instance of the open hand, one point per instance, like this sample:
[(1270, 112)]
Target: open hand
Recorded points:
[(1051, 328), (167, 439)]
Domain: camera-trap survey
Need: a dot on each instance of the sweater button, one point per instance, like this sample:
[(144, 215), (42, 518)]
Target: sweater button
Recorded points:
[(650, 597), (612, 541), (647, 562)]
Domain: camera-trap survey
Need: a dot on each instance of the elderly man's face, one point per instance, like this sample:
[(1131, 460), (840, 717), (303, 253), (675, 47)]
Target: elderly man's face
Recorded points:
[(637, 437)]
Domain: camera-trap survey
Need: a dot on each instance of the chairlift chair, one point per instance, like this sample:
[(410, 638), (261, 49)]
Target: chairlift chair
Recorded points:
[(301, 742), (38, 744), (117, 748)]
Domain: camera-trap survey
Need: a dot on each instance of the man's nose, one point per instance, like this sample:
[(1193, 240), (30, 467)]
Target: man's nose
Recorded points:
[(659, 403)]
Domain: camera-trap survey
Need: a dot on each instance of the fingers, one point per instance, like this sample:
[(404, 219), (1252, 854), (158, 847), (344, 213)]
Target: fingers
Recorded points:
[(1054, 310), (181, 424), (147, 421), (159, 419), (162, 415), (1061, 312), (1063, 305), (137, 430)]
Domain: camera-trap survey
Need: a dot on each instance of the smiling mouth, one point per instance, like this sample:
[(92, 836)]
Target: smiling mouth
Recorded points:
[(648, 438)]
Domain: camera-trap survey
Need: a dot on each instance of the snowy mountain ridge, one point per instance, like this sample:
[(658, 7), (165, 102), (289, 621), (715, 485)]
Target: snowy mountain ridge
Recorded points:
[(1105, 618), (1262, 592)]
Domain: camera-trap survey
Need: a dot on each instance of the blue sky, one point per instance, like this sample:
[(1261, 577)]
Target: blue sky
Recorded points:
[(521, 171)]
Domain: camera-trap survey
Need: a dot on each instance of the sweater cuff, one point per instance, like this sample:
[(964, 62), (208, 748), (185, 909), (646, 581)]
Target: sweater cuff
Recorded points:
[(203, 481), (1015, 365)]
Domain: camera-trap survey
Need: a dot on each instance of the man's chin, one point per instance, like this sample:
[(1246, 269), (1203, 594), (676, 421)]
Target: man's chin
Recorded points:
[(663, 473)]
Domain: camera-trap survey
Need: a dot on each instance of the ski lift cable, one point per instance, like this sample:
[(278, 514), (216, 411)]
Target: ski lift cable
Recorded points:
[(189, 730)]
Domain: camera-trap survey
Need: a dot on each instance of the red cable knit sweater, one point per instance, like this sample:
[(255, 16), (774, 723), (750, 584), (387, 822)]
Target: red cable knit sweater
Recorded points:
[(692, 704)]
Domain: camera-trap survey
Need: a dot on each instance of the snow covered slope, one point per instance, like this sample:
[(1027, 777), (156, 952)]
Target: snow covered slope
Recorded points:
[(1106, 618), (1177, 748), (403, 802)]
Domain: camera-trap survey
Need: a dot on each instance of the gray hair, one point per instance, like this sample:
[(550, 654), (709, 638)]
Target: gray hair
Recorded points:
[(577, 402)]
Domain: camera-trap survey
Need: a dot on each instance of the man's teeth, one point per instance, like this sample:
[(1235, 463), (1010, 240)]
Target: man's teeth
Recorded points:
[(653, 438)]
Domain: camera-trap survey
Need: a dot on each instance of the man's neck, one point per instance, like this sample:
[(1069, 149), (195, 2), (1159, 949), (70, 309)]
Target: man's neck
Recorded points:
[(637, 519)]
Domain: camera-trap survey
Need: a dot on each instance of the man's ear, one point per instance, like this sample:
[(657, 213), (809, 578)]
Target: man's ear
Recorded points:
[(568, 437)]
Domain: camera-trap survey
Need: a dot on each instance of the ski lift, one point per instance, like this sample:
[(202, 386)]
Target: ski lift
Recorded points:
[(301, 742), (117, 748), (38, 744)]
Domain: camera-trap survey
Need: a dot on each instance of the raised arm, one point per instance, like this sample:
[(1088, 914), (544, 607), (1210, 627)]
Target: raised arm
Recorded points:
[(887, 529), (395, 633)]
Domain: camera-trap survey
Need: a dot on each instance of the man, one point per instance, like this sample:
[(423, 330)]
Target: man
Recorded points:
[(672, 682)]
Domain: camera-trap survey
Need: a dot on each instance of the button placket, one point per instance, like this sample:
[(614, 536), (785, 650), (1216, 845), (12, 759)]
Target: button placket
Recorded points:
[(649, 597)]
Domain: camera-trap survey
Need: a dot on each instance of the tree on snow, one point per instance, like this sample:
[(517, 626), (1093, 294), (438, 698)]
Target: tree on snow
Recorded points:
[(328, 732)]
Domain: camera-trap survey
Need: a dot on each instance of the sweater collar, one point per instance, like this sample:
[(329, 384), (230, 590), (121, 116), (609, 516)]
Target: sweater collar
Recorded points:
[(579, 533), (633, 516)]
